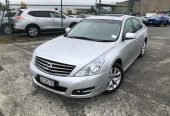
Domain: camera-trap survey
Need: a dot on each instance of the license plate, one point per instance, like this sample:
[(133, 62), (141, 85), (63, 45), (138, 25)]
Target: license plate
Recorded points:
[(47, 81)]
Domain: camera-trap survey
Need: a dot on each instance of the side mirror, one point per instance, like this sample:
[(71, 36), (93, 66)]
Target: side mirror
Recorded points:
[(129, 36), (67, 30)]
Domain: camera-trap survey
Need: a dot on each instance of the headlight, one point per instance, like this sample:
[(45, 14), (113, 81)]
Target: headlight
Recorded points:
[(92, 68)]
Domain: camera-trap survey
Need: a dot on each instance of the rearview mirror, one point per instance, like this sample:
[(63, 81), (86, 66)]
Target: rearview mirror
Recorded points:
[(67, 30), (129, 36)]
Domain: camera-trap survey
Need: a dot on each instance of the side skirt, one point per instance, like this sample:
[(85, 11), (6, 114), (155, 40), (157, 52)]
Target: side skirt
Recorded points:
[(130, 63)]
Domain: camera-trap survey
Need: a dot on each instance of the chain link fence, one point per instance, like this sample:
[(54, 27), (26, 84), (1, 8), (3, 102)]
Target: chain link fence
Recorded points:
[(10, 14)]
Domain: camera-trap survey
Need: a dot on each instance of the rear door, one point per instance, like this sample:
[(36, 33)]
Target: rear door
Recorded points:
[(42, 18), (56, 19)]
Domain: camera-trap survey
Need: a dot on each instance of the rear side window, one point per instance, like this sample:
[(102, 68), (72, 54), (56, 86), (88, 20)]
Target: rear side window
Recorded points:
[(39, 13), (11, 14), (19, 13), (137, 24)]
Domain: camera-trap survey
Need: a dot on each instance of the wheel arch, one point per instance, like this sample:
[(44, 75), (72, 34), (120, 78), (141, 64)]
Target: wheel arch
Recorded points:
[(118, 61), (32, 24)]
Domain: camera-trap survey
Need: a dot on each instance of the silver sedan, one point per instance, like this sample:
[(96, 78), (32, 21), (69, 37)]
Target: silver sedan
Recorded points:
[(91, 57)]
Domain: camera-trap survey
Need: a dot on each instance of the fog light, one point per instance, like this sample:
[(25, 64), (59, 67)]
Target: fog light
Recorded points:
[(83, 91)]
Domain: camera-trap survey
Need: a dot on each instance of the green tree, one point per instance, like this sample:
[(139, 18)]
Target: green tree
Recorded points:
[(1, 6)]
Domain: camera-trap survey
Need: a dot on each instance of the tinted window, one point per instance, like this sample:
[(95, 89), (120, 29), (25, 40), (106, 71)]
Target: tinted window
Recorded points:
[(39, 13), (19, 13), (128, 27), (81, 16), (137, 24), (12, 14), (56, 15)]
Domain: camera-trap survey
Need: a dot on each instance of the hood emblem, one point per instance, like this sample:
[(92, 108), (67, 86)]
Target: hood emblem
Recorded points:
[(49, 66)]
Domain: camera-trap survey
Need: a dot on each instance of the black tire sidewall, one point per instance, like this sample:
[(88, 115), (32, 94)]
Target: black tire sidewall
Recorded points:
[(3, 28)]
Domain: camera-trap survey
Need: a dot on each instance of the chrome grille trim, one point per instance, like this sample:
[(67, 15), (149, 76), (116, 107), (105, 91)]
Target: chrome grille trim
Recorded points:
[(58, 69)]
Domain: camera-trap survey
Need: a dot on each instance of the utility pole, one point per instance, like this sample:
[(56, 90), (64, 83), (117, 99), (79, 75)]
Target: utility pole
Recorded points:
[(62, 14), (100, 6), (131, 4), (9, 18)]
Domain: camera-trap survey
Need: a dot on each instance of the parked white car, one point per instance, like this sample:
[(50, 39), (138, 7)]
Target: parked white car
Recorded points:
[(91, 57), (33, 21)]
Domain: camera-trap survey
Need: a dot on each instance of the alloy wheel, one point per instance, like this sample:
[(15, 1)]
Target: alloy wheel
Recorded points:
[(33, 31), (115, 76)]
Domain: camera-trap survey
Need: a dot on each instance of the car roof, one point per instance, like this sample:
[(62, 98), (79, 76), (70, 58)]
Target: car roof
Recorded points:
[(116, 17), (31, 9)]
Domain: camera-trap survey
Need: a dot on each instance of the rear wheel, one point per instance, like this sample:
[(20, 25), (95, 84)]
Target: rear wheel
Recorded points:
[(6, 29), (143, 50), (116, 78), (32, 30)]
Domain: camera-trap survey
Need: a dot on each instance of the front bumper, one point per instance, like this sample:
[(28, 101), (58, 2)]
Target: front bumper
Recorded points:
[(99, 82)]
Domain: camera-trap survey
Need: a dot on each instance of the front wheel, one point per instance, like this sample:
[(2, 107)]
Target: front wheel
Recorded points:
[(143, 50), (6, 29), (116, 78)]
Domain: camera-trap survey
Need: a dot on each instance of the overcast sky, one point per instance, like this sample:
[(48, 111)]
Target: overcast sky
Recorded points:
[(66, 2)]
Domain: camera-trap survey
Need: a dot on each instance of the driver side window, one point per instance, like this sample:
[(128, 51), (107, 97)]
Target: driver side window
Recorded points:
[(128, 27)]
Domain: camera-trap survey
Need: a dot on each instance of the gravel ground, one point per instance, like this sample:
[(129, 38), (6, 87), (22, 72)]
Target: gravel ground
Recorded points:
[(144, 92)]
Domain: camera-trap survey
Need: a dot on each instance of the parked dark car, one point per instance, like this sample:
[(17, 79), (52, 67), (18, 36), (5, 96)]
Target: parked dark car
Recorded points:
[(157, 20)]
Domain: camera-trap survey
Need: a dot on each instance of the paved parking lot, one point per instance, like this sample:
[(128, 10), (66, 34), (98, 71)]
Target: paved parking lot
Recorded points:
[(145, 90)]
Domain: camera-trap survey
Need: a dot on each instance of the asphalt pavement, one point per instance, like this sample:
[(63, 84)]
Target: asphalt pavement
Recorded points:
[(144, 92)]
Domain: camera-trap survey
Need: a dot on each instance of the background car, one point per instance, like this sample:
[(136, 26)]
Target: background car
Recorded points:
[(5, 22), (83, 16), (33, 21), (168, 17), (74, 16), (157, 20)]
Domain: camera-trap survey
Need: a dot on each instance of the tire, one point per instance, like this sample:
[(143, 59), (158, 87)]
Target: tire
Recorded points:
[(6, 29), (116, 78), (142, 53), (165, 25), (32, 30)]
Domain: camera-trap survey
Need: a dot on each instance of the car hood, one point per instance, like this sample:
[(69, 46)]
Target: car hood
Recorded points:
[(73, 51)]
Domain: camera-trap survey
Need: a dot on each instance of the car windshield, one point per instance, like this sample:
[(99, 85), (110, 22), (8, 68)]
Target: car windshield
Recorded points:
[(97, 30), (156, 16)]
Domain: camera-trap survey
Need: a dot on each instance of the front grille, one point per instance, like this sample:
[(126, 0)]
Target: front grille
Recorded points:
[(53, 68)]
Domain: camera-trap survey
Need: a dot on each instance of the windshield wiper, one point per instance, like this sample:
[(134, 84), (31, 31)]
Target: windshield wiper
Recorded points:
[(84, 38), (105, 40)]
